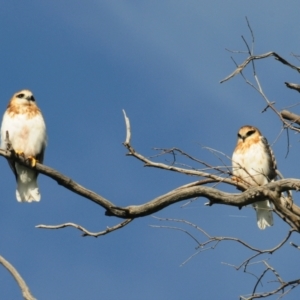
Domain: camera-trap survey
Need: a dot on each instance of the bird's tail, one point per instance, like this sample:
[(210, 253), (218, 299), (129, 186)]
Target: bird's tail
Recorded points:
[(27, 188), (264, 214)]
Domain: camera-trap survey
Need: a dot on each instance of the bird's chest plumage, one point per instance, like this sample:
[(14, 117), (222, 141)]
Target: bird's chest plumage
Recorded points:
[(25, 134), (252, 163)]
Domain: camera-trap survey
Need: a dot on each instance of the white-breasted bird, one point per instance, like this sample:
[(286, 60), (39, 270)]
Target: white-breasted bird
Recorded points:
[(24, 123), (254, 163)]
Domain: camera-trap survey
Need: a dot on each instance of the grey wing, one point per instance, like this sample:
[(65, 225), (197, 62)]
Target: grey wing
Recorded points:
[(271, 158)]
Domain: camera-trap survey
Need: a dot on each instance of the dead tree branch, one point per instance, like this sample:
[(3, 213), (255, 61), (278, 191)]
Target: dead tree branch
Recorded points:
[(293, 86), (284, 287), (216, 239), (85, 231), (256, 57), (284, 115), (24, 288), (213, 241), (259, 89), (290, 116)]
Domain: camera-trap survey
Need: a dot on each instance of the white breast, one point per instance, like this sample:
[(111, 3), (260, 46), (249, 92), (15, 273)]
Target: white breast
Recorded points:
[(255, 161), (26, 135)]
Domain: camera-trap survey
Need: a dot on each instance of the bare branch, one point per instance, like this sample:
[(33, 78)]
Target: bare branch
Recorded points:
[(24, 288), (255, 57), (294, 245), (213, 241), (252, 35), (290, 116), (217, 239), (86, 232), (259, 89), (284, 287), (293, 86), (128, 131), (291, 284), (149, 163)]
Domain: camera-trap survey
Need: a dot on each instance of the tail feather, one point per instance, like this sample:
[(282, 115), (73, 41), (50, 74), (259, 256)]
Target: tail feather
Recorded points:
[(27, 188), (264, 214)]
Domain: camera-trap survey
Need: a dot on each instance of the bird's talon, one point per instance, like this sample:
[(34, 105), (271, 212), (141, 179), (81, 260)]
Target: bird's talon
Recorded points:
[(19, 153), (234, 178), (32, 161)]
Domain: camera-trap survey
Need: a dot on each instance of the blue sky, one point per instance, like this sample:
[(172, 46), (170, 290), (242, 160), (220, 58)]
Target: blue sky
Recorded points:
[(161, 61)]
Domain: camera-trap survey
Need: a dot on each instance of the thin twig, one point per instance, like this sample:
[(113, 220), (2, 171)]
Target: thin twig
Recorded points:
[(214, 239), (86, 232), (255, 57), (128, 131)]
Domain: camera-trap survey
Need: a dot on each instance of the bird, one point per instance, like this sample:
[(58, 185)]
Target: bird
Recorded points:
[(254, 163), (23, 127)]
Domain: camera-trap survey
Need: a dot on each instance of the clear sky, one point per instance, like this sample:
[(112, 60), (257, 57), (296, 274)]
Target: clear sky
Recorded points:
[(161, 61)]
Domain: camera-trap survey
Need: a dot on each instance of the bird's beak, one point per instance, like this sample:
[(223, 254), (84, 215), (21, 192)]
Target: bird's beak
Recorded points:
[(31, 98)]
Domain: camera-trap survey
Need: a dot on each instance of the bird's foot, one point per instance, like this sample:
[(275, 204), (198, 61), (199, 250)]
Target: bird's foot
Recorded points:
[(19, 153), (236, 179), (32, 160)]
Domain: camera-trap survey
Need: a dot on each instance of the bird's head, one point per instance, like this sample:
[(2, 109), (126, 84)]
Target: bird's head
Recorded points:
[(23, 97), (247, 133)]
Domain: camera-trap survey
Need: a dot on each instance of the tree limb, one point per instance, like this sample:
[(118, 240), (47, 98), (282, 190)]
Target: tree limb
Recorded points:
[(240, 67), (290, 116), (24, 288), (217, 239), (85, 231), (293, 86)]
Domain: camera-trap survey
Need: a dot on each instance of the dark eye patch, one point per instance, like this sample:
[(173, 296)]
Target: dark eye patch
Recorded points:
[(250, 132), (20, 96)]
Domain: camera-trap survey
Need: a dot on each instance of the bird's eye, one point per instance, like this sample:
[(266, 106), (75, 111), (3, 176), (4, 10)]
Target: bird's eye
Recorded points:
[(20, 96), (250, 132)]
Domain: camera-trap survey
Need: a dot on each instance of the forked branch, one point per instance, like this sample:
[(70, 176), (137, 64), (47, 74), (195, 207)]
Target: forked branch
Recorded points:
[(251, 58), (211, 242)]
